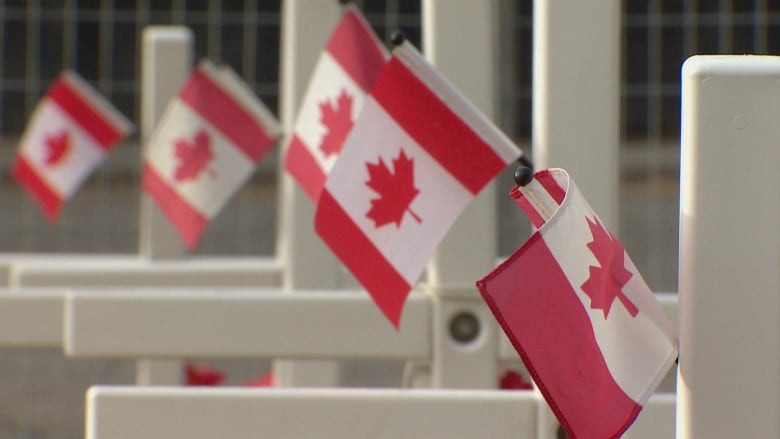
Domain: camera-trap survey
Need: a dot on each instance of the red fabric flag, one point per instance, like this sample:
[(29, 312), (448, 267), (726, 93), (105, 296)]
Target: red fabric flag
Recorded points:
[(203, 375), (206, 146), (513, 380), (588, 328), (417, 155), (70, 133), (346, 70), (265, 380)]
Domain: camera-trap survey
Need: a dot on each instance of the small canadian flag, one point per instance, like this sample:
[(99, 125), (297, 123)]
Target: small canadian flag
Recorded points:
[(206, 146), (345, 72), (70, 133), (418, 154), (590, 331)]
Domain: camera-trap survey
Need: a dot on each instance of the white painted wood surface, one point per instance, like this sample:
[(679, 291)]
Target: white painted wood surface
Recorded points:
[(469, 61), (241, 324), (31, 318), (657, 419), (576, 96), (309, 264), (166, 62), (729, 375), (129, 271), (207, 413), (157, 413)]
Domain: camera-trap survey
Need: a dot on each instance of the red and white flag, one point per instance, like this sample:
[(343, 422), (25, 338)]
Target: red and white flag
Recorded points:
[(71, 131), (590, 331), (345, 72), (207, 144), (417, 155)]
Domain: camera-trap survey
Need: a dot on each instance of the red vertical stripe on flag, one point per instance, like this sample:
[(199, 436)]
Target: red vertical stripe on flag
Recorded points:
[(34, 184), (552, 186), (548, 325), (430, 122), (307, 172), (388, 288), (231, 119), (528, 207), (357, 50), (189, 222), (90, 120)]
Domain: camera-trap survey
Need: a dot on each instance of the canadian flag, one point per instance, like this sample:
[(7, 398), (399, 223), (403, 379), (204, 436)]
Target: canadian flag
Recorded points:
[(71, 131), (588, 328), (207, 144), (345, 72), (417, 155)]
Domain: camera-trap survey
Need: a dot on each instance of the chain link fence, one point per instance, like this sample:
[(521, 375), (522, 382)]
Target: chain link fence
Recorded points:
[(42, 395)]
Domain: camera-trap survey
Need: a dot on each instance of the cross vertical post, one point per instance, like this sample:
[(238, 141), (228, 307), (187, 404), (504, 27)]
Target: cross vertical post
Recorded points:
[(465, 336), (307, 263), (576, 96), (728, 381), (165, 65)]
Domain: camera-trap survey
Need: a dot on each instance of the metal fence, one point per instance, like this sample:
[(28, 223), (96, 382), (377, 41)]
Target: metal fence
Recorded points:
[(101, 39)]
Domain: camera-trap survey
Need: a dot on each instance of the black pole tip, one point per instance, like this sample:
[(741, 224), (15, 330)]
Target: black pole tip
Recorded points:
[(523, 175), (397, 38), (345, 2)]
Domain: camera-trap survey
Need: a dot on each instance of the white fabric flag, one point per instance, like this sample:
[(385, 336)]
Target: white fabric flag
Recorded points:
[(418, 154), (345, 72), (208, 143), (71, 131)]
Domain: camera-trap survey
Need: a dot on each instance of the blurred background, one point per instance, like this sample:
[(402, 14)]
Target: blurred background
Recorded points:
[(41, 394)]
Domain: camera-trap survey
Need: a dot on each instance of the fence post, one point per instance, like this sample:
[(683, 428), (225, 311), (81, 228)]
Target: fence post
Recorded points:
[(729, 376), (165, 65), (308, 264), (576, 96), (576, 103), (468, 59)]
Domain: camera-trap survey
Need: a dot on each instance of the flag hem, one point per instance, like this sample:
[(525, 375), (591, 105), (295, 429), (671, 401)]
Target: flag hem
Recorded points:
[(462, 107)]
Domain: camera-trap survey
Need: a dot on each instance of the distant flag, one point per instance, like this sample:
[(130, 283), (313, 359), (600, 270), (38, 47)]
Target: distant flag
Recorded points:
[(202, 375), (71, 131), (208, 143), (346, 70), (591, 333), (513, 380), (265, 380), (417, 155), (206, 375)]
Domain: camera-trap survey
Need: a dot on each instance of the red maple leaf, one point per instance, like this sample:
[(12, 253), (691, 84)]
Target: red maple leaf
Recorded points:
[(606, 282), (193, 157), (337, 121), (396, 190), (57, 148)]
